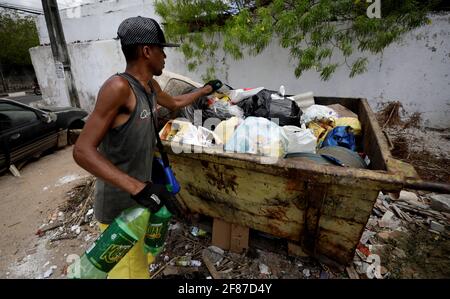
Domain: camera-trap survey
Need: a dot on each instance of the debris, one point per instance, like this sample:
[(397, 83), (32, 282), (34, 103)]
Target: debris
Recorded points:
[(367, 234), (388, 235), (436, 226), (389, 115), (185, 261), (48, 273), (197, 232), (46, 264), (215, 254), (440, 202), (14, 171), (153, 267), (362, 267), (411, 199), (14, 224), (177, 271), (306, 272), (387, 221), (399, 253), (263, 269), (363, 249), (40, 232), (401, 214), (422, 212), (67, 179), (210, 264), (377, 249), (408, 196), (351, 272), (195, 263), (166, 258), (174, 226), (90, 212)]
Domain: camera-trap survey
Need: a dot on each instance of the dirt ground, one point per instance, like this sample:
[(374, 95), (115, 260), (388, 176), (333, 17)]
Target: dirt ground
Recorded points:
[(26, 203)]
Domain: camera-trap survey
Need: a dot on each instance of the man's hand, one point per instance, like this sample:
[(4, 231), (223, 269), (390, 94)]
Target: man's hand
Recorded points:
[(215, 85), (154, 196)]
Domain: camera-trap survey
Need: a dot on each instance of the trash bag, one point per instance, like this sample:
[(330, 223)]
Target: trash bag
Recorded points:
[(262, 105), (318, 113), (340, 136), (300, 140), (227, 127), (260, 136), (211, 109)]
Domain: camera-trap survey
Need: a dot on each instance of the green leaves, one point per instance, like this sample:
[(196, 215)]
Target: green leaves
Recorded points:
[(327, 71), (17, 35), (312, 31), (359, 67)]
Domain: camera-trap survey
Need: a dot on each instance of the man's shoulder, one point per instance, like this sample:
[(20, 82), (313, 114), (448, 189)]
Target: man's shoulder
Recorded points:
[(116, 83)]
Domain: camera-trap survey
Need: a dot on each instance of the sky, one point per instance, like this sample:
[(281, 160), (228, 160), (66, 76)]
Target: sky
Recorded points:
[(36, 4)]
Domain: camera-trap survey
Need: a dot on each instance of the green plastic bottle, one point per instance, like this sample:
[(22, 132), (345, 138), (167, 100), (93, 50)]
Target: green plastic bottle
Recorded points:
[(156, 233), (112, 245)]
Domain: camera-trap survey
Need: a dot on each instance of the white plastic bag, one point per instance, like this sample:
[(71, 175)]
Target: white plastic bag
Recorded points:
[(259, 136), (237, 95), (187, 133), (226, 128), (300, 140), (318, 113)]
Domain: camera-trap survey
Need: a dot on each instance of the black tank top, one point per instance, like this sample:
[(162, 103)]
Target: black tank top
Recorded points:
[(130, 147)]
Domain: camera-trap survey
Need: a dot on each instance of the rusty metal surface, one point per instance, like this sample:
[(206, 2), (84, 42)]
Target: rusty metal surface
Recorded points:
[(323, 207)]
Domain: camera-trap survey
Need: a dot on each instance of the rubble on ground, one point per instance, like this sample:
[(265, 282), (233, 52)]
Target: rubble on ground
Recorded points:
[(74, 219)]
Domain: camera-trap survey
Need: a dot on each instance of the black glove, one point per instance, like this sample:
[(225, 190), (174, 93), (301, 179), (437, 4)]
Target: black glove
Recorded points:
[(215, 84), (154, 196)]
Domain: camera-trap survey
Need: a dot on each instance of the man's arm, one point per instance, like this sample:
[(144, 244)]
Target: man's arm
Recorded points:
[(112, 97), (177, 102)]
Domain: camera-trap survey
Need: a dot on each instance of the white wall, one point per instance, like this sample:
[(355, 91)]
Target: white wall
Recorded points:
[(96, 21), (415, 71)]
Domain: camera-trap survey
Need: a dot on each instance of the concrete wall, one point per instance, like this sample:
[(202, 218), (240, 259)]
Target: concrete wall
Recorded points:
[(96, 21), (414, 71)]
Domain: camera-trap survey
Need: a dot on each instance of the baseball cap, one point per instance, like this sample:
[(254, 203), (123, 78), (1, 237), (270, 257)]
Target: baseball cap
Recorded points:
[(141, 30)]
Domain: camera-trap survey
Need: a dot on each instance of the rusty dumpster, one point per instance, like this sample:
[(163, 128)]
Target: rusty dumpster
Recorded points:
[(324, 208)]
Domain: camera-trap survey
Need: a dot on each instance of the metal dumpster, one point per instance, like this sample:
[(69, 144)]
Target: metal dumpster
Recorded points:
[(322, 207)]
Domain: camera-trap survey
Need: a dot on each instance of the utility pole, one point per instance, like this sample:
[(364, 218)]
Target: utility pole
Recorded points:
[(59, 48)]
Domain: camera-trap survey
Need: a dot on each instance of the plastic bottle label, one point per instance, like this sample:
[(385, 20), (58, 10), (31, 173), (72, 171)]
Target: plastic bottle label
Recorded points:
[(110, 247), (156, 233)]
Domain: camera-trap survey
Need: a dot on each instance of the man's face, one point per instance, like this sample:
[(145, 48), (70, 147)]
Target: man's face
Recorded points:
[(156, 56)]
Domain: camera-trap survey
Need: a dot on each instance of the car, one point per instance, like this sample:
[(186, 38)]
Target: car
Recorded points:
[(27, 132)]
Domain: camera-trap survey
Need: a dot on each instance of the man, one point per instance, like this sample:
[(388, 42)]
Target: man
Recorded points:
[(118, 140)]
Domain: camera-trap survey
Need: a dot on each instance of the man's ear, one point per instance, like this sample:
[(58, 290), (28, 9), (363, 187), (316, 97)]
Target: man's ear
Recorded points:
[(147, 51)]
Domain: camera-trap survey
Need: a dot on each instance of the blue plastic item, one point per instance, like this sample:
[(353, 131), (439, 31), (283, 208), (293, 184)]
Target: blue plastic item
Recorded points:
[(340, 136), (165, 176)]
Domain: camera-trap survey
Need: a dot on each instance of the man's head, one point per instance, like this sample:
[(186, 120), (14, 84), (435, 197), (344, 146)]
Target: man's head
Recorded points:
[(142, 39)]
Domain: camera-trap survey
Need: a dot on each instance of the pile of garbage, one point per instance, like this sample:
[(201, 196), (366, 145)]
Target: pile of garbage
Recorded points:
[(270, 123), (402, 237), (76, 218), (188, 254)]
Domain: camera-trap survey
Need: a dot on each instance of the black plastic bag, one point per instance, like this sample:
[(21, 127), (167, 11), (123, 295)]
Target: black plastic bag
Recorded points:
[(262, 105)]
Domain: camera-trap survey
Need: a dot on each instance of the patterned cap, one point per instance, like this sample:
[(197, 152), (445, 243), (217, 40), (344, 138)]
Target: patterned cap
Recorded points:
[(140, 30)]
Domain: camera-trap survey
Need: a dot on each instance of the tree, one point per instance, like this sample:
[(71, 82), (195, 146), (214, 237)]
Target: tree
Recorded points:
[(17, 35), (321, 35)]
